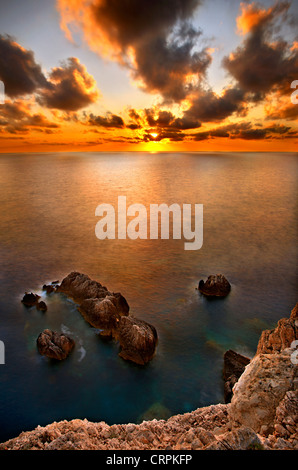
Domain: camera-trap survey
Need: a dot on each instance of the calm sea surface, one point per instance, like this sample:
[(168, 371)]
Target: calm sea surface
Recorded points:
[(48, 204)]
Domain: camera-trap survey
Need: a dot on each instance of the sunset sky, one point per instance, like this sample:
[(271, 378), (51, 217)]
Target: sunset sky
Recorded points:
[(148, 75)]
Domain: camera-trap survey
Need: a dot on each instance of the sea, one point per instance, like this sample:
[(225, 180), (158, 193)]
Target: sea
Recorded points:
[(47, 230)]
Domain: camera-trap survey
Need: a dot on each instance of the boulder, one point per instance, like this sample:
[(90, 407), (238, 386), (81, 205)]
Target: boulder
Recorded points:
[(234, 366), (30, 300), (275, 340), (80, 287), (54, 345), (137, 338), (216, 286), (102, 314)]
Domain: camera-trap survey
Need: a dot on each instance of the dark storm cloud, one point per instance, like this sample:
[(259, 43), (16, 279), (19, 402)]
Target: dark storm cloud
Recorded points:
[(19, 72), (70, 87), (263, 62), (153, 38)]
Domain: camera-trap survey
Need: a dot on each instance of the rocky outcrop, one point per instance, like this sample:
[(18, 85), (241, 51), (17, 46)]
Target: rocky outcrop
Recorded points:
[(282, 336), (79, 287), (215, 286), (109, 313), (30, 300), (54, 345), (234, 365), (137, 339), (263, 414)]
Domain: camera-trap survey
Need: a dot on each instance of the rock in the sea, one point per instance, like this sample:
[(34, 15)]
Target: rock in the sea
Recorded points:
[(30, 300), (101, 313), (137, 338), (216, 285), (80, 287), (42, 306), (234, 366), (109, 312), (275, 340), (54, 345), (48, 288)]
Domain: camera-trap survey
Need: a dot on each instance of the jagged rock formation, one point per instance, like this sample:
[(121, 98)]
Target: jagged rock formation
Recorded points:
[(54, 345), (109, 312), (282, 336), (263, 414), (215, 286)]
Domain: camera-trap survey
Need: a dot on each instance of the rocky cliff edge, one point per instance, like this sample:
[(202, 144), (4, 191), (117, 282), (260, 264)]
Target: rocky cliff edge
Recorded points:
[(263, 413)]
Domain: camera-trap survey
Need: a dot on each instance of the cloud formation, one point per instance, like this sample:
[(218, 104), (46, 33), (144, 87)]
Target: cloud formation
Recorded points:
[(263, 62), (153, 39), (70, 87), (18, 69)]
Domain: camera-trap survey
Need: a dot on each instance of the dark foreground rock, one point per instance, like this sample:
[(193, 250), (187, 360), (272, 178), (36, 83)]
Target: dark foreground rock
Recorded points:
[(109, 313), (54, 345), (234, 366), (216, 286)]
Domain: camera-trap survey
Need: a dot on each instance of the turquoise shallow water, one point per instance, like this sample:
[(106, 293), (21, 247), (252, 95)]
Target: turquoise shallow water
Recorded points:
[(48, 204)]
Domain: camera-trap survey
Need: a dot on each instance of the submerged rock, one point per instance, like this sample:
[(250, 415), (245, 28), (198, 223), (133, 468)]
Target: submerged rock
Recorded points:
[(41, 306), (54, 345), (234, 366), (216, 285), (30, 300), (137, 338)]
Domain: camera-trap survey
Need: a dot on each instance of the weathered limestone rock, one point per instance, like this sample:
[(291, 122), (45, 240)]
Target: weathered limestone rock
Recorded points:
[(216, 286), (261, 388), (282, 336), (54, 345)]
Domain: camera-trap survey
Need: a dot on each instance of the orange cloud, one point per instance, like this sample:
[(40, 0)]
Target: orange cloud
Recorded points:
[(253, 15)]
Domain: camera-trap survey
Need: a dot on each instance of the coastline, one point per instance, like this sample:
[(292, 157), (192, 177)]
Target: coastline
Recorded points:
[(263, 413)]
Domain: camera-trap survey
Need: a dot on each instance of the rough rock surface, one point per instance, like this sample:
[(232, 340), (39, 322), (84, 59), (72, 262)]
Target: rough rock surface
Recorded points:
[(30, 300), (80, 287), (216, 286), (234, 365), (109, 312), (137, 339), (282, 336), (54, 345), (263, 414)]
